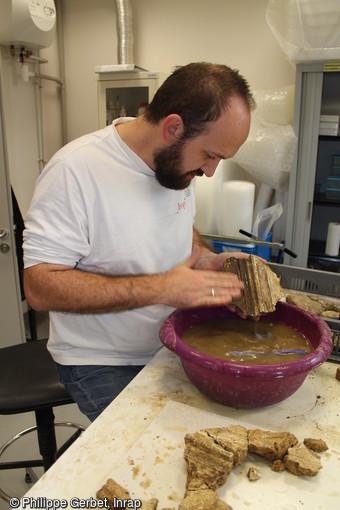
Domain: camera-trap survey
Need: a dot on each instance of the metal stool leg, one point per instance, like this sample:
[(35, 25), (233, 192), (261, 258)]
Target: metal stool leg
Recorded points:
[(27, 464), (30, 476), (46, 436)]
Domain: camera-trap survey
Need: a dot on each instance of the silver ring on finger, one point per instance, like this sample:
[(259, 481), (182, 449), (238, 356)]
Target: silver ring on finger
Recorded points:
[(212, 292)]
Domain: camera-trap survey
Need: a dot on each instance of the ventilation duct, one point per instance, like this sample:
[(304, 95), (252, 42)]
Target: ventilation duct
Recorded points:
[(125, 32), (125, 41)]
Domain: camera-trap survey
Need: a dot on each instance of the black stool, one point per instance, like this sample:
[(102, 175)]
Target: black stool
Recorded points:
[(29, 382)]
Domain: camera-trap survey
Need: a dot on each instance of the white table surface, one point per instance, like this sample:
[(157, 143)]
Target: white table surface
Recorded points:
[(101, 451)]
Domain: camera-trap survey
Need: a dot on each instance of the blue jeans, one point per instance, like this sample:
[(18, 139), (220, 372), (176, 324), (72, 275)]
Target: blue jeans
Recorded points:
[(93, 387)]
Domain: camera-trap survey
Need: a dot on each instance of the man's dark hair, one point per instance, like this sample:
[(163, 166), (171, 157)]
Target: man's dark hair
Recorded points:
[(199, 93)]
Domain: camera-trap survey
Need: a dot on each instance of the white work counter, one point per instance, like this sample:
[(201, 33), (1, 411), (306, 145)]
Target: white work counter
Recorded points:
[(139, 442)]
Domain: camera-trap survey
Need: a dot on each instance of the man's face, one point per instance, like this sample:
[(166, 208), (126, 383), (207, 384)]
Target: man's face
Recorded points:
[(177, 164), (168, 166)]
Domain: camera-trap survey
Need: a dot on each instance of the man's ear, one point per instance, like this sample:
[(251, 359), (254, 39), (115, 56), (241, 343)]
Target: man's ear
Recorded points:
[(172, 128)]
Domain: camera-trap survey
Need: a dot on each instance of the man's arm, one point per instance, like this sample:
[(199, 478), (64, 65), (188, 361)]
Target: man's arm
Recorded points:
[(61, 288), (203, 246)]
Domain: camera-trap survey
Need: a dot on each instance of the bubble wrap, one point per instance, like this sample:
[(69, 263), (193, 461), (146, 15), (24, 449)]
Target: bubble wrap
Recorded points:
[(268, 154), (269, 150)]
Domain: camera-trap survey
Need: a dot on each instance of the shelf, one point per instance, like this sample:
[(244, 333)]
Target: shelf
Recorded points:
[(320, 199), (323, 264), (327, 138), (317, 259)]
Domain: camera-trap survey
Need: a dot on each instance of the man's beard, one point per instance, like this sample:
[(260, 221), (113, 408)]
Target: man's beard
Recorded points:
[(168, 167)]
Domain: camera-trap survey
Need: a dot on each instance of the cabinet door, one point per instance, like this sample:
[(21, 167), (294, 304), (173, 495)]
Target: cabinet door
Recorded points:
[(312, 202), (326, 206), (308, 94), (11, 318), (123, 97)]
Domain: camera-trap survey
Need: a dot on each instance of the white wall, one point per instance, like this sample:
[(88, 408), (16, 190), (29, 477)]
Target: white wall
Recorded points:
[(167, 33)]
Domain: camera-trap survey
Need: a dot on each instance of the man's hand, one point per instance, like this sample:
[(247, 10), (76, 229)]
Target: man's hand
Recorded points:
[(189, 286)]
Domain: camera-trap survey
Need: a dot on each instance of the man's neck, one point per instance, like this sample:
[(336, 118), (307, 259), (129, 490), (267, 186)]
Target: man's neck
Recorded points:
[(141, 137)]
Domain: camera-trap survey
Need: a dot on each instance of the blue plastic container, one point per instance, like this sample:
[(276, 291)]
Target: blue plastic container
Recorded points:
[(252, 249), (221, 246), (265, 251)]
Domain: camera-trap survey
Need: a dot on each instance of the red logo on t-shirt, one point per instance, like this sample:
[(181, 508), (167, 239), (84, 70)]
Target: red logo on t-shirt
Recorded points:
[(181, 205)]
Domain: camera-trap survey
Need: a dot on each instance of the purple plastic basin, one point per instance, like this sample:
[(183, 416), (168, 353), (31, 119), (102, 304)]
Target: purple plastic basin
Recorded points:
[(243, 385)]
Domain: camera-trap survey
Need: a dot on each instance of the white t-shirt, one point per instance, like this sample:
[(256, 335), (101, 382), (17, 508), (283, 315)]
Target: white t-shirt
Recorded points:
[(98, 207)]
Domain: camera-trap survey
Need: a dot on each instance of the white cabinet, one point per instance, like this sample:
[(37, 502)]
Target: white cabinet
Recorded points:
[(122, 93), (310, 206)]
